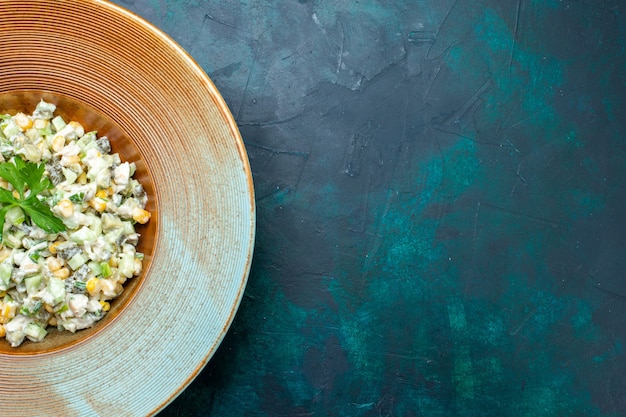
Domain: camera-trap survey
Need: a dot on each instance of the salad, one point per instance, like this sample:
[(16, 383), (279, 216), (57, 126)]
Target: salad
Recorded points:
[(68, 210)]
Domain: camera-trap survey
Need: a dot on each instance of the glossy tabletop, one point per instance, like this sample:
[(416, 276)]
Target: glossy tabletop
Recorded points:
[(441, 220)]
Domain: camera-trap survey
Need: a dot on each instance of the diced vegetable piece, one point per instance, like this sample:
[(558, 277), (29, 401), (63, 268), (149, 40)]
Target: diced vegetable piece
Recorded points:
[(11, 128), (15, 216), (95, 268), (33, 283), (13, 239), (127, 265), (5, 275), (105, 269), (83, 235), (58, 123), (35, 332), (56, 287), (77, 261), (70, 176)]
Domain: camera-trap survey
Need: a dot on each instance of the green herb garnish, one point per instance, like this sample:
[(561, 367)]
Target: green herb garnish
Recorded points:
[(28, 179), (77, 198)]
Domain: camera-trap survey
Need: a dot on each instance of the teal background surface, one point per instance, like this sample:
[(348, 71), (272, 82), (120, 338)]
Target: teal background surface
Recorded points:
[(440, 189)]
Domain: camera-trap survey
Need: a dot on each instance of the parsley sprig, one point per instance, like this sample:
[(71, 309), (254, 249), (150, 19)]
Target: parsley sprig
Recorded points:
[(29, 180)]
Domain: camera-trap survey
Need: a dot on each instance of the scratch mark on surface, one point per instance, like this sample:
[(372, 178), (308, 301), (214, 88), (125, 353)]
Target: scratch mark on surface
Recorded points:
[(535, 112), (343, 38), (607, 291), (513, 146), (302, 169), (441, 26), (462, 136), (537, 219), (473, 250), (385, 405), (519, 175), (357, 149), (469, 103), (365, 405), (275, 151), (434, 79), (245, 88), (516, 330), (221, 22), (387, 354), (275, 192), (363, 214), (270, 123), (548, 107), (377, 237), (475, 232), (267, 160), (332, 328), (274, 333), (417, 36), (515, 32)]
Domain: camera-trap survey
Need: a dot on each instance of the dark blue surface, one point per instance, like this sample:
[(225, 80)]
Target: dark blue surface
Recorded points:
[(441, 205)]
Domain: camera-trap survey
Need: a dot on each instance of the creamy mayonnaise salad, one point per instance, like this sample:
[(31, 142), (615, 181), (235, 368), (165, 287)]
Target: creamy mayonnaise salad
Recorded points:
[(62, 265)]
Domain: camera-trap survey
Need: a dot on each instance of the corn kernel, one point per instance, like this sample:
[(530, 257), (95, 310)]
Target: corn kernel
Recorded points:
[(52, 321), (141, 216), (46, 155), (54, 263), (106, 306), (113, 262), (23, 121), (16, 194), (98, 204), (138, 266), (108, 288), (53, 247), (93, 286), (3, 331), (70, 160), (58, 142), (66, 208), (4, 183), (62, 273), (41, 123), (8, 312), (102, 194), (48, 308), (78, 128), (4, 253), (82, 178)]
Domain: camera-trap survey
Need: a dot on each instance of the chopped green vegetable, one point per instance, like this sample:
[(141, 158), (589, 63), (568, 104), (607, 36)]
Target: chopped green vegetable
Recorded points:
[(77, 261), (35, 332), (77, 198), (105, 269), (5, 275)]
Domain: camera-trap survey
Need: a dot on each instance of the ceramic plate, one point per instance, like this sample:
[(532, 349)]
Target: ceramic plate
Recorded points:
[(119, 75)]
